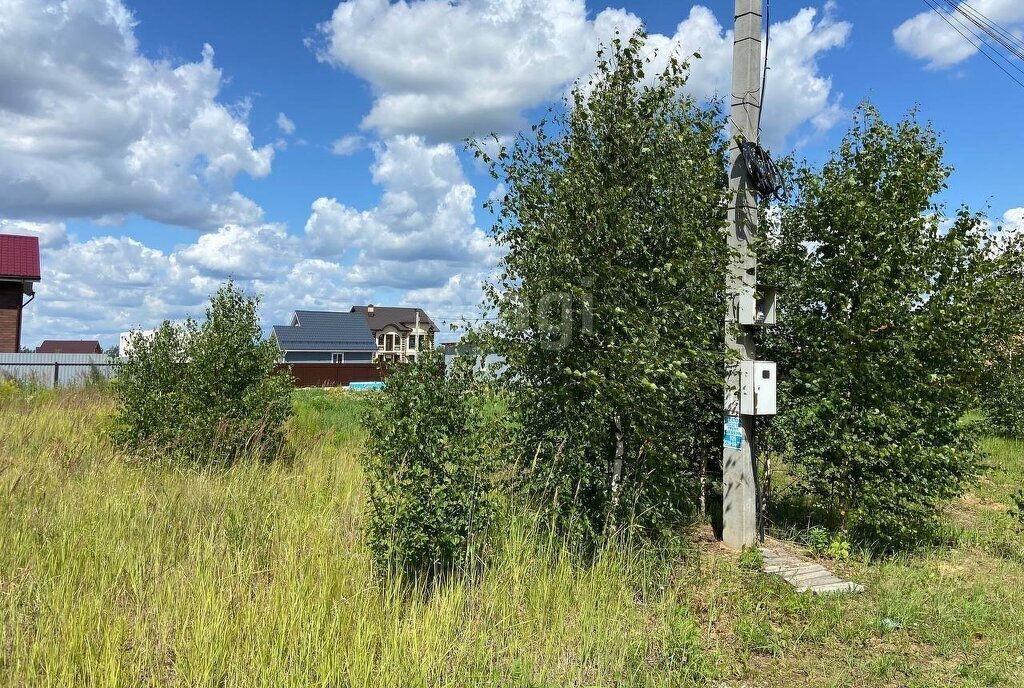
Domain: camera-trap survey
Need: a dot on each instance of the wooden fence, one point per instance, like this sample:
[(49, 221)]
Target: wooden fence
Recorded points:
[(332, 374)]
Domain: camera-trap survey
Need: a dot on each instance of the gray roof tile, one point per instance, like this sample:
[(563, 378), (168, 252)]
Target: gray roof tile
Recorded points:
[(326, 331)]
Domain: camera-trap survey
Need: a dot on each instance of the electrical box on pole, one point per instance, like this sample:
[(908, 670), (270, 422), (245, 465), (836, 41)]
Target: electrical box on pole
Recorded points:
[(758, 307), (757, 388)]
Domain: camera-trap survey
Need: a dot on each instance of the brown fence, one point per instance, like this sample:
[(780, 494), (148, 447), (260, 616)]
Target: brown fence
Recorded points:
[(332, 374)]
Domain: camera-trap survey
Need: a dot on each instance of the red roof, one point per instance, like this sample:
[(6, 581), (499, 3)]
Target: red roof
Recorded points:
[(19, 257), (69, 346)]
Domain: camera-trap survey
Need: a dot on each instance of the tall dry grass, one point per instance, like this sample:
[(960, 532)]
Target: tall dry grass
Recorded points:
[(114, 572), (120, 573)]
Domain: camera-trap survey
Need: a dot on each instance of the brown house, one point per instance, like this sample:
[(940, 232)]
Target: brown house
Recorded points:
[(69, 346), (19, 271)]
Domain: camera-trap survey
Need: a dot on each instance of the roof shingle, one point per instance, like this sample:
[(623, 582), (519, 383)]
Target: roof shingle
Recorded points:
[(325, 331), (19, 257), (69, 346)]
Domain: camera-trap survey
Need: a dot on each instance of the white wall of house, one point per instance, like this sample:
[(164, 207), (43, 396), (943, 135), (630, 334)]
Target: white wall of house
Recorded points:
[(392, 342)]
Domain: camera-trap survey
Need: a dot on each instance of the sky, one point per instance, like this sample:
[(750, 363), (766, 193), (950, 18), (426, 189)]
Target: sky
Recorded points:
[(313, 150)]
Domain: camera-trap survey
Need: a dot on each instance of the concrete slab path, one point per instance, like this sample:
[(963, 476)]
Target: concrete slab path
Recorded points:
[(804, 575)]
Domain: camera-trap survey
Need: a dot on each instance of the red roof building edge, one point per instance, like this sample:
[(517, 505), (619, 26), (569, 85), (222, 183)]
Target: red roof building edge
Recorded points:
[(19, 257), (69, 346)]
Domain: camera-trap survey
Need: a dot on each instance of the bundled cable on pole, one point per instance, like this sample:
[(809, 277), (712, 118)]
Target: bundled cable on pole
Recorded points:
[(765, 176)]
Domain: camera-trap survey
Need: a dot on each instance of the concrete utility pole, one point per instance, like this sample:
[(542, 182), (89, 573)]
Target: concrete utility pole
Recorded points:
[(741, 497)]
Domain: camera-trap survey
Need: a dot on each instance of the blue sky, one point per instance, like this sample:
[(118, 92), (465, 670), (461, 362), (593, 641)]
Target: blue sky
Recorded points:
[(313, 150)]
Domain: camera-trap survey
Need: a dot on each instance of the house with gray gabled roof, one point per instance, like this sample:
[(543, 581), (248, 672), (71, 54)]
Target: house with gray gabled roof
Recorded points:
[(325, 337)]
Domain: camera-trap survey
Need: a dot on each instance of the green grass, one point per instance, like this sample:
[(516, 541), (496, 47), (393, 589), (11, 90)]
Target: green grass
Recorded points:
[(114, 573)]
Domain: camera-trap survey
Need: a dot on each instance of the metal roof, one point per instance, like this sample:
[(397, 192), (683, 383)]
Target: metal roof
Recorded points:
[(325, 331), (401, 318), (69, 346), (19, 257)]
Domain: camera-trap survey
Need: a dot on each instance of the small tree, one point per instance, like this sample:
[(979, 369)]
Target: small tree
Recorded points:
[(1002, 392), (204, 392), (610, 297), (887, 312), (428, 468)]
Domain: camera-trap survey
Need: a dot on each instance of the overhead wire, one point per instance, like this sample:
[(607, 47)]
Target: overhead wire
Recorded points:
[(971, 38), (990, 31), (764, 69), (1006, 38)]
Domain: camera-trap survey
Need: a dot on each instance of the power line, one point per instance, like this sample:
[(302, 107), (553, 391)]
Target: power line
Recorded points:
[(1006, 35), (972, 39), (993, 31), (764, 70)]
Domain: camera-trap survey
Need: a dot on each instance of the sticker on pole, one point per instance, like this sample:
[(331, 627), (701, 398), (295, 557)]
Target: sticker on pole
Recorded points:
[(733, 432)]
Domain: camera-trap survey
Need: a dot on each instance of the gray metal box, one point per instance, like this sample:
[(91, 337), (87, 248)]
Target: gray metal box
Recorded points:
[(757, 388), (758, 308)]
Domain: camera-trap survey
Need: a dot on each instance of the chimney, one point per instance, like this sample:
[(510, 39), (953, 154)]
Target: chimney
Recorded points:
[(369, 310)]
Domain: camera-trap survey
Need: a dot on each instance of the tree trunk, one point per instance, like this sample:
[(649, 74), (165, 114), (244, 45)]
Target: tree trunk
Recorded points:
[(620, 453)]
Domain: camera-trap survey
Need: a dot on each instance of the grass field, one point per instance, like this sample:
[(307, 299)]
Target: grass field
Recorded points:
[(119, 574)]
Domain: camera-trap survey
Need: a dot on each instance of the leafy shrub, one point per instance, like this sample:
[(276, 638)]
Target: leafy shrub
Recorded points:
[(830, 545), (429, 468), (204, 392), (610, 308), (1003, 393), (1018, 506), (885, 325), (751, 559)]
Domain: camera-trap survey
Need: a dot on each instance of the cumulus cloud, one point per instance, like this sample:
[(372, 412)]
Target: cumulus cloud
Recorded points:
[(51, 234), (286, 126), (936, 39), (445, 70), (796, 94), (348, 144), (106, 285), (94, 129), (449, 70), (262, 251), (1013, 220), (422, 230)]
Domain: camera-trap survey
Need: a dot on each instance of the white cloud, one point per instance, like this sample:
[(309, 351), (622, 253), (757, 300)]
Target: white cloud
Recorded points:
[(348, 144), (91, 128), (1013, 220), (423, 229), (106, 285), (938, 39), (446, 71), (51, 234), (239, 252), (286, 126)]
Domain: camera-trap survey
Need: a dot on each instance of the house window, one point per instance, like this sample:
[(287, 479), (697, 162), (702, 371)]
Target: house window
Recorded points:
[(392, 342), (413, 342), (380, 341), (338, 358)]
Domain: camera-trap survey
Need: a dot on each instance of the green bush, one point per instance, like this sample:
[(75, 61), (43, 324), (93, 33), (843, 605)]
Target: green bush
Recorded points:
[(204, 392), (887, 318), (429, 468), (1018, 506), (610, 306), (1003, 393)]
